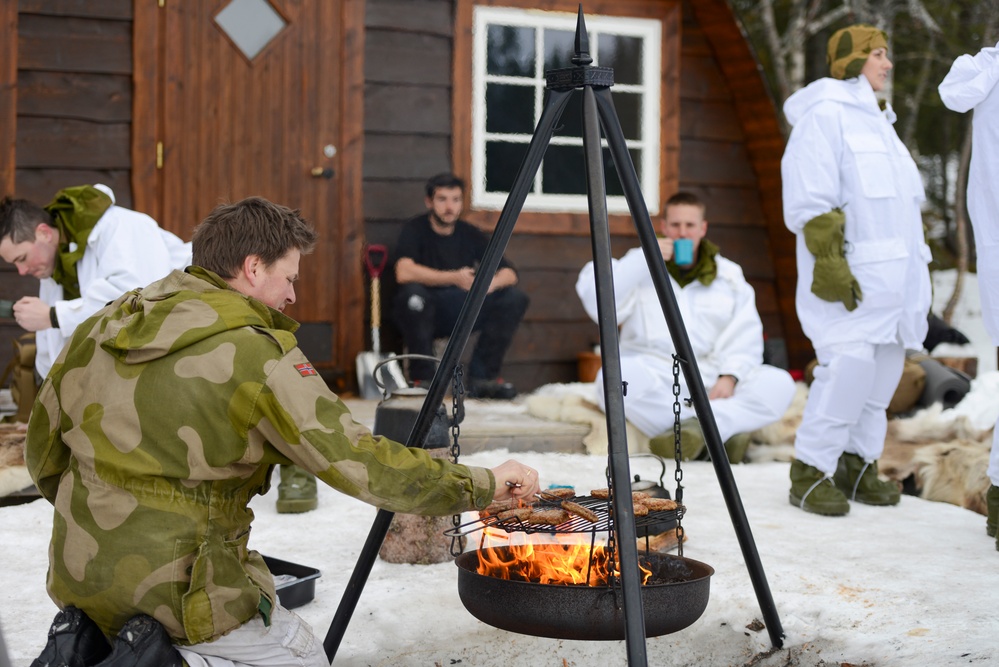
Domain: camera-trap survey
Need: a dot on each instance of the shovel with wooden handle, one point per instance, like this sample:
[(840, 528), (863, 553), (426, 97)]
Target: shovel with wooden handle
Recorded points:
[(375, 261)]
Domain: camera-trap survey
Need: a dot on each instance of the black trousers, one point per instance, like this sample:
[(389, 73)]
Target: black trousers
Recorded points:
[(423, 313)]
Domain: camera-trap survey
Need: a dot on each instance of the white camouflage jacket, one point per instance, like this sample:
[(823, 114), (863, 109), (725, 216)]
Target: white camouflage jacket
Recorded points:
[(844, 153)]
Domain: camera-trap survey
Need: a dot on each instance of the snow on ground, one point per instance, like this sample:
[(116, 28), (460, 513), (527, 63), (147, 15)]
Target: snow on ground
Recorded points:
[(916, 584)]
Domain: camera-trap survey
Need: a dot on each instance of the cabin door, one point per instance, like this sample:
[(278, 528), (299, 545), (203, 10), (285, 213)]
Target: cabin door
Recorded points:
[(246, 97)]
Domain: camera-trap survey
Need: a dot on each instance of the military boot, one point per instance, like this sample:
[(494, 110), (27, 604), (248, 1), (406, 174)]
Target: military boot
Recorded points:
[(74, 641), (691, 442), (991, 523), (859, 480), (142, 642), (736, 447), (297, 491), (813, 491)]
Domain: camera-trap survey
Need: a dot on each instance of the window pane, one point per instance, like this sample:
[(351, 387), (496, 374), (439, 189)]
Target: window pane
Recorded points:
[(559, 48), (502, 162), (509, 109), (624, 54), (563, 171), (250, 24), (610, 171), (629, 112), (510, 50)]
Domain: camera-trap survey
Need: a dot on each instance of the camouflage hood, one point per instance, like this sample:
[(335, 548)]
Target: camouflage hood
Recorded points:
[(183, 309)]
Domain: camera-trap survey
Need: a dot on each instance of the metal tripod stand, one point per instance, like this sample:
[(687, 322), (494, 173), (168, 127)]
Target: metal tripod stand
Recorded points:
[(598, 110)]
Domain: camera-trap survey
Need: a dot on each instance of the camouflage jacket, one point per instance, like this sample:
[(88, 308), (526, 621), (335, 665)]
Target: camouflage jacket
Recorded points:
[(161, 419)]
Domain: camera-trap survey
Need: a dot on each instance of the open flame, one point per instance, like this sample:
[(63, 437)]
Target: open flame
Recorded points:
[(555, 564)]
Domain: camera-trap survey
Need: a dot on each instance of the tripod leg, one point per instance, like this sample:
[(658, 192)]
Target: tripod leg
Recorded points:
[(681, 342), (624, 511), (452, 353)]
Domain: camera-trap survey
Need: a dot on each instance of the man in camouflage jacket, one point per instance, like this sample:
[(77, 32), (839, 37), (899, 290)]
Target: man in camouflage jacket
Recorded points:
[(167, 412)]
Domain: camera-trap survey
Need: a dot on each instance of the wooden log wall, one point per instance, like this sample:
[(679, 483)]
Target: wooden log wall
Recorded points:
[(71, 120), (407, 139), (407, 124)]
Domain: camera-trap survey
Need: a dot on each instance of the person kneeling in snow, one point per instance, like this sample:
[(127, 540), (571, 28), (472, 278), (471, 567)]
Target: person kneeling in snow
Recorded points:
[(161, 419)]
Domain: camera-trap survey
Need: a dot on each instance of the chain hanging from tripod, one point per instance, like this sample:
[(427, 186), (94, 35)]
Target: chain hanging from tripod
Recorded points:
[(457, 397), (677, 454)]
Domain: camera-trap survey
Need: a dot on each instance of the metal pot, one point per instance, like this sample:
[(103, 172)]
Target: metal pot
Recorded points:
[(585, 612)]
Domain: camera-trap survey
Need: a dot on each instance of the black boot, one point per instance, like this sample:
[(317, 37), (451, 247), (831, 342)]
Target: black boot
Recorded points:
[(74, 641), (142, 642)]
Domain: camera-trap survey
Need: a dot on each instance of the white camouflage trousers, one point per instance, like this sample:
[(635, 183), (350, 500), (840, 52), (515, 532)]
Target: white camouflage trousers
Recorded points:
[(287, 642)]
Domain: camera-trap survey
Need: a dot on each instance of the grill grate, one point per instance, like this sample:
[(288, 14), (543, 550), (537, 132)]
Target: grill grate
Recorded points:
[(576, 524)]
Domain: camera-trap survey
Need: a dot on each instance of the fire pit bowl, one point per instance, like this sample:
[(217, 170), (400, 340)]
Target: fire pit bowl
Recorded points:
[(588, 613)]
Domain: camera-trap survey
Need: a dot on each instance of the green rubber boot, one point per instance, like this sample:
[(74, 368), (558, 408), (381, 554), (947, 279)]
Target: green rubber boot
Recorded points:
[(736, 447), (992, 498), (813, 491), (859, 481), (297, 491), (691, 442)]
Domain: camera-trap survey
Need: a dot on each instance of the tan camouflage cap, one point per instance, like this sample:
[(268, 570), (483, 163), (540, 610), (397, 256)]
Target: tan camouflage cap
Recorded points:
[(849, 47)]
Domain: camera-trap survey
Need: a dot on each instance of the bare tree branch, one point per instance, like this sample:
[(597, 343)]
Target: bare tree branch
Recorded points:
[(918, 11), (915, 100), (829, 18)]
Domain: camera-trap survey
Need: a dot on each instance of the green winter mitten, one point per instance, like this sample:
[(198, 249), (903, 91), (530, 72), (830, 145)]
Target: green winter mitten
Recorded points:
[(831, 277)]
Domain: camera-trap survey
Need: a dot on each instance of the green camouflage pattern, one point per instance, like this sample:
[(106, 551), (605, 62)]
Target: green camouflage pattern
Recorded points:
[(161, 419), (849, 47)]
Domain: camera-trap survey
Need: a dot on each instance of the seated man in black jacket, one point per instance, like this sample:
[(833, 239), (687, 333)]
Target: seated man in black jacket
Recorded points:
[(438, 254)]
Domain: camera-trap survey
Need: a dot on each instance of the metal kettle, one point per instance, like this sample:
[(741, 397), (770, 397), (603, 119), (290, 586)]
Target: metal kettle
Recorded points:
[(396, 414), (656, 491)]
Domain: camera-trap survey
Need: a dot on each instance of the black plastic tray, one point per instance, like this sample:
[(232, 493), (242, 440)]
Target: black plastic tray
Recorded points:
[(293, 593)]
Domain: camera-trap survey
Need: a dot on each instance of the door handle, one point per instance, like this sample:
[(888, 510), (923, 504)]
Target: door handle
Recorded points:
[(320, 172)]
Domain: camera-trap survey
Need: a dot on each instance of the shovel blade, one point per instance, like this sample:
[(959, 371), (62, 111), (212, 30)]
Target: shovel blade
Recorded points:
[(390, 375)]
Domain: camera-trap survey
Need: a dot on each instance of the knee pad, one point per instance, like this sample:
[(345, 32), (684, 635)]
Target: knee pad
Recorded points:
[(846, 384)]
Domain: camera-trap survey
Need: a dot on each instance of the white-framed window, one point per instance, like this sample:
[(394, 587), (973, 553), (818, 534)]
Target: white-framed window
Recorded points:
[(512, 50)]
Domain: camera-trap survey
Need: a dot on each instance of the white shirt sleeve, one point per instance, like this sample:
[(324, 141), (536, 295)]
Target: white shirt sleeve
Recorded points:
[(970, 80), (810, 168), (630, 273), (125, 250)]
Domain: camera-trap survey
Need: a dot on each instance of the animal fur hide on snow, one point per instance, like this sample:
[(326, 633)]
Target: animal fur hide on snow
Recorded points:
[(572, 403), (13, 475), (940, 455)]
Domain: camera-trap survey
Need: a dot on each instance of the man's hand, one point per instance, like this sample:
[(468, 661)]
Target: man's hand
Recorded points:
[(32, 314), (724, 387), (515, 480), (666, 248), (463, 277)]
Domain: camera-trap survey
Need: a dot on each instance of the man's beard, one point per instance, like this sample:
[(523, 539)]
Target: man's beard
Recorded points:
[(443, 223)]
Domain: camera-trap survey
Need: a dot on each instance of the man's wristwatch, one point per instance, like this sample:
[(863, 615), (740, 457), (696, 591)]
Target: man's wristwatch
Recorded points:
[(53, 318)]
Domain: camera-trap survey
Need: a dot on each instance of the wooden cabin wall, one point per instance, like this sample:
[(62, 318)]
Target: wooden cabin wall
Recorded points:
[(407, 139), (715, 164), (407, 124), (72, 116)]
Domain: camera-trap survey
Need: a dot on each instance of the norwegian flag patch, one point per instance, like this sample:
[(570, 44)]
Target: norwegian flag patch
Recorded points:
[(305, 370)]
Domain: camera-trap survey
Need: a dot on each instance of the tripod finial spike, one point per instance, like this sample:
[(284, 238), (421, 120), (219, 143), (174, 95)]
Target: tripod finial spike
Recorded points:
[(582, 56)]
